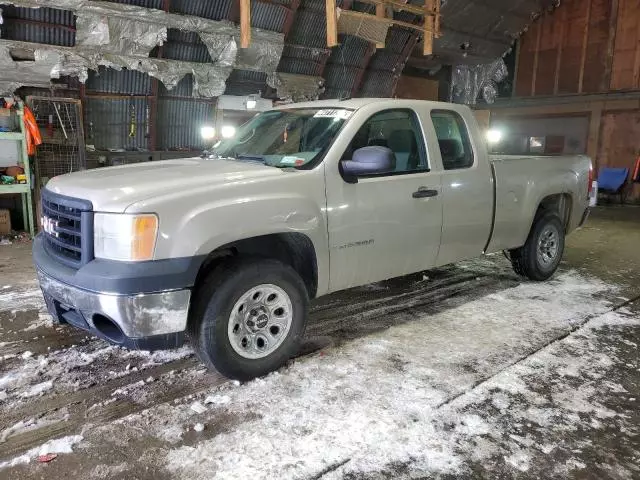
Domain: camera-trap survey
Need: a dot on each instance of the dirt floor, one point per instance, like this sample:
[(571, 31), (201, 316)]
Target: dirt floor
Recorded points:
[(463, 372)]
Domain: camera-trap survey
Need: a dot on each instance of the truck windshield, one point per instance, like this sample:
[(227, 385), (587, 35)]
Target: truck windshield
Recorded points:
[(284, 138)]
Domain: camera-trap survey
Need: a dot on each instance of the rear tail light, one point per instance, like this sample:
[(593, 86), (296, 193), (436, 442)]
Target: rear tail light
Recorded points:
[(590, 187)]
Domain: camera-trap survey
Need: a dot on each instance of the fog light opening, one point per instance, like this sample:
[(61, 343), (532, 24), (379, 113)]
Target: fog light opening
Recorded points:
[(108, 328)]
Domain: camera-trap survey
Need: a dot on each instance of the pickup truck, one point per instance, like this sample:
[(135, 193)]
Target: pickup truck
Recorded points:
[(305, 199)]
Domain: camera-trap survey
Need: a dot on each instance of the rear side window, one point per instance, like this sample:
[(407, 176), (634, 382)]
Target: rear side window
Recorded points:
[(453, 139)]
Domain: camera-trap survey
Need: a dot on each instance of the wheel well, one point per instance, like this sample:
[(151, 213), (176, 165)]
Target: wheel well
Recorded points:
[(559, 203), (293, 249)]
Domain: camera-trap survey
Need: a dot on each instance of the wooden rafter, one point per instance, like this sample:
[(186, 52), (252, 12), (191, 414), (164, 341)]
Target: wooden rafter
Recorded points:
[(380, 13), (245, 23), (332, 23)]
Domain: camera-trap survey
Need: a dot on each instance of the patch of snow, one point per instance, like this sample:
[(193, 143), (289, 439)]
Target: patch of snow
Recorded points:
[(37, 389), (217, 399), (519, 460), (198, 427), (198, 407), (26, 355), (60, 445)]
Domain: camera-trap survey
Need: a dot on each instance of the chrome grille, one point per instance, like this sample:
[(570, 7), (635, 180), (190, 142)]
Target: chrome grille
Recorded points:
[(68, 228)]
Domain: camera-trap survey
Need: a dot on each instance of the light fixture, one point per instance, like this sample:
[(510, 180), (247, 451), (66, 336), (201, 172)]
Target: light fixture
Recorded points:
[(494, 136), (207, 132), (251, 103), (228, 131)]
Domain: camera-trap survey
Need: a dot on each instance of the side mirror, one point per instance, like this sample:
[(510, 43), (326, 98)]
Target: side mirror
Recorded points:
[(368, 161)]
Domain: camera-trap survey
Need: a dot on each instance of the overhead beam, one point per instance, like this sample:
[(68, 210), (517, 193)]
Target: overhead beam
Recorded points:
[(245, 23), (380, 13), (332, 23)]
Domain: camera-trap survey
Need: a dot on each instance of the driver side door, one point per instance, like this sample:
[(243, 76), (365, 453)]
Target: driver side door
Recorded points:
[(388, 224)]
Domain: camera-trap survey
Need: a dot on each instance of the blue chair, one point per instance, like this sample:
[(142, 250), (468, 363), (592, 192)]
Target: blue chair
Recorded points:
[(611, 181)]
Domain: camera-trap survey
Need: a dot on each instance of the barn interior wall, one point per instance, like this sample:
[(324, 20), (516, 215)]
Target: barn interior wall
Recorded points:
[(583, 59)]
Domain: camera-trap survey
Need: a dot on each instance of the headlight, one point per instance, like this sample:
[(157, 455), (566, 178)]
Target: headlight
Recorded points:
[(130, 238)]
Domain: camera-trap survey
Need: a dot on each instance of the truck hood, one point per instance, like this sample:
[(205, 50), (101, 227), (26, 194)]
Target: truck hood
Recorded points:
[(113, 189)]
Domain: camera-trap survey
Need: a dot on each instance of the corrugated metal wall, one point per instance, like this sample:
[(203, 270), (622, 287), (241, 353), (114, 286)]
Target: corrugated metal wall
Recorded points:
[(180, 123), (108, 123), (39, 25)]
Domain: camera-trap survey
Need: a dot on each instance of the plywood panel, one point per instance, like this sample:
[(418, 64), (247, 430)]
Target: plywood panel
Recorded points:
[(417, 88), (619, 146), (526, 61), (595, 60), (547, 58), (626, 45), (572, 43)]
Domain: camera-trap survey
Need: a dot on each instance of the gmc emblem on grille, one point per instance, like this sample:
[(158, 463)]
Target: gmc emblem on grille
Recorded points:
[(50, 226)]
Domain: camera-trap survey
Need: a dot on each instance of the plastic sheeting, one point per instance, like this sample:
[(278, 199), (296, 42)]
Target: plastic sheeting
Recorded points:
[(296, 88), (128, 37), (14, 75), (121, 36), (469, 82)]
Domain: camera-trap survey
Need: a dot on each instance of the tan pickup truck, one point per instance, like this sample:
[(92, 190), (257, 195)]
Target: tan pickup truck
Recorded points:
[(304, 200)]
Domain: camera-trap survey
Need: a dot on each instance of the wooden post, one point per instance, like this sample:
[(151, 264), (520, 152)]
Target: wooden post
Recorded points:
[(332, 23), (429, 23), (585, 46), (380, 13), (593, 142), (245, 23)]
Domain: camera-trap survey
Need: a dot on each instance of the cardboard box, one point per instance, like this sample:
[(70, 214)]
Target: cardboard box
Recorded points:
[(5, 222)]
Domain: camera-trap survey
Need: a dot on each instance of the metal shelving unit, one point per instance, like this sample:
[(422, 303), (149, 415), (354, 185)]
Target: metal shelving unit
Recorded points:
[(24, 189)]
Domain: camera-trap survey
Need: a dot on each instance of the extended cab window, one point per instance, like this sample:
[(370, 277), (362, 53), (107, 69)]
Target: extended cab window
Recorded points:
[(453, 139), (397, 130)]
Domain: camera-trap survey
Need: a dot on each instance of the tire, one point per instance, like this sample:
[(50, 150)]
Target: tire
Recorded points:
[(539, 257), (219, 339)]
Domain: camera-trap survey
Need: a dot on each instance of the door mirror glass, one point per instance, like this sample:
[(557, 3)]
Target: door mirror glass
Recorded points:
[(369, 161)]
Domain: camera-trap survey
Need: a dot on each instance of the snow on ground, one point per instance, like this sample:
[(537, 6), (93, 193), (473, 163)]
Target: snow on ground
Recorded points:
[(60, 445), (440, 394)]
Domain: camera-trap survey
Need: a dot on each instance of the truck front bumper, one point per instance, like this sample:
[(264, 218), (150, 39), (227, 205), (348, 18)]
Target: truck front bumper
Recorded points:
[(136, 320)]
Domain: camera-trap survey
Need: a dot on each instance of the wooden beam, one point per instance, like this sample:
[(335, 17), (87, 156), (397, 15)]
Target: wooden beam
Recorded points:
[(605, 86), (380, 13), (397, 5), (563, 21), (585, 46), (536, 57), (245, 23), (429, 24), (332, 23), (593, 140), (636, 64), (291, 15)]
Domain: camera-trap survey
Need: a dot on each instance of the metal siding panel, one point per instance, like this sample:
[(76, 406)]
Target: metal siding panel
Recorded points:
[(378, 84), (185, 46), (180, 122), (53, 34), (109, 80), (309, 28), (157, 4), (110, 119), (268, 16), (385, 60), (215, 10), (245, 82), (352, 51), (340, 77)]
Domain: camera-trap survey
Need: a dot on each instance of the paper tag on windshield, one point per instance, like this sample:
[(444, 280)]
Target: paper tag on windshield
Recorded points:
[(291, 161), (336, 113)]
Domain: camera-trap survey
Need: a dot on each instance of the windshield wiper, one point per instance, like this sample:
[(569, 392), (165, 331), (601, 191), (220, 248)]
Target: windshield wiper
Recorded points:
[(255, 158)]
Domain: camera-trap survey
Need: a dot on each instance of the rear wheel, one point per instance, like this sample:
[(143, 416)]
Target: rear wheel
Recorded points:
[(539, 257), (249, 317)]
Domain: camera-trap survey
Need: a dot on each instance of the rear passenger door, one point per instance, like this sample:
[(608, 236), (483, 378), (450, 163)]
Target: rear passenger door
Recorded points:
[(387, 224), (467, 188)]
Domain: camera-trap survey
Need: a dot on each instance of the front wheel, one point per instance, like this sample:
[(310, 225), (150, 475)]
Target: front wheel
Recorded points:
[(249, 317), (539, 257)]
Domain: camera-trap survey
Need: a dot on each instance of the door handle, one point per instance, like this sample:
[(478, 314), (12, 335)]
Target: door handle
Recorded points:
[(423, 192)]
